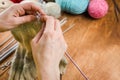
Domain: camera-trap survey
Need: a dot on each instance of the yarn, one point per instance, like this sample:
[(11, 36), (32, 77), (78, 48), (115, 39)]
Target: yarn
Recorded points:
[(16, 1), (49, 0), (97, 8), (73, 6)]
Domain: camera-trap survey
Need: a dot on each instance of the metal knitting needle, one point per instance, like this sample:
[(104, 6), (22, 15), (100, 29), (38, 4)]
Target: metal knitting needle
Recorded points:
[(70, 27), (5, 40), (83, 74), (116, 14), (41, 1), (115, 3), (63, 21), (116, 10), (16, 44), (8, 52)]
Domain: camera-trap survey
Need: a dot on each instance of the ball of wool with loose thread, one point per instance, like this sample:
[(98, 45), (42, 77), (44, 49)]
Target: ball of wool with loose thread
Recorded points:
[(98, 8), (73, 6)]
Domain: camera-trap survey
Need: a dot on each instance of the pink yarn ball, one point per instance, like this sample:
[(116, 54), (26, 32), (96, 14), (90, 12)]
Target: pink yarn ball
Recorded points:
[(97, 8)]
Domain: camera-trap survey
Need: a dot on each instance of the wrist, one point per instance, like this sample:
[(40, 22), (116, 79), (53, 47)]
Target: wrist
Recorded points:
[(2, 24), (49, 73)]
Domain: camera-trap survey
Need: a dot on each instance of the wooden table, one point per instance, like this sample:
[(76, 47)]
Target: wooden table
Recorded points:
[(94, 45)]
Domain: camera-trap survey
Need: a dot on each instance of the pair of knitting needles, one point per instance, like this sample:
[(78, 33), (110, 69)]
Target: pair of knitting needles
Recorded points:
[(116, 9)]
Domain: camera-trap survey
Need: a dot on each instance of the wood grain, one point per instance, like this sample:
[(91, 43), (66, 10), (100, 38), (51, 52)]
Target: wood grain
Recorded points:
[(94, 45)]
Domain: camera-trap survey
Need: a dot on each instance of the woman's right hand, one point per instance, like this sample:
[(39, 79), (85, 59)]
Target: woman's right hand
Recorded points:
[(48, 48)]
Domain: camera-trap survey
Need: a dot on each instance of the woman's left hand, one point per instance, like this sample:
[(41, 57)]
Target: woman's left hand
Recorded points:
[(16, 15)]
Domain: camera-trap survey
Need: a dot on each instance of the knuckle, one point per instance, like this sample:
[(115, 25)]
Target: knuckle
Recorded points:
[(48, 34), (50, 17), (32, 41), (31, 3), (57, 21)]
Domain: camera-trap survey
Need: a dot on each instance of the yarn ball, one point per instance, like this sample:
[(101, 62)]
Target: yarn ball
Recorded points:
[(49, 0), (73, 6), (98, 8), (16, 1)]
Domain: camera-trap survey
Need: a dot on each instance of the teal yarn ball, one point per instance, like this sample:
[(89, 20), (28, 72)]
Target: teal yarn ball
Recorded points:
[(73, 6)]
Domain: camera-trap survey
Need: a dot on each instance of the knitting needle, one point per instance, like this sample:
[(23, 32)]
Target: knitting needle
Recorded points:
[(16, 44), (8, 52), (68, 28), (83, 74), (41, 1), (63, 21), (5, 40), (117, 7), (116, 14), (116, 10)]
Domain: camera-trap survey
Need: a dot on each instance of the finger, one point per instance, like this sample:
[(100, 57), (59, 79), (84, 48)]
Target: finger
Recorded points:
[(24, 19), (43, 18), (58, 28), (50, 23), (39, 34), (57, 25), (32, 7)]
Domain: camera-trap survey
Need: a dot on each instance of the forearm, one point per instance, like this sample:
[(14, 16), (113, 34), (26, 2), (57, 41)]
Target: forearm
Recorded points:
[(48, 72)]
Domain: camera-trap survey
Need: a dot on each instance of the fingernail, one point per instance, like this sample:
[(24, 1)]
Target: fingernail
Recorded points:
[(43, 18)]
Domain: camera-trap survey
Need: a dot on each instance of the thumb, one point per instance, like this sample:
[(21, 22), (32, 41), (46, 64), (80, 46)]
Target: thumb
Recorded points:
[(39, 34), (24, 19)]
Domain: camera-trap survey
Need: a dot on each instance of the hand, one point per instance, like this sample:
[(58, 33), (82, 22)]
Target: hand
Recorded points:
[(16, 15), (48, 48)]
